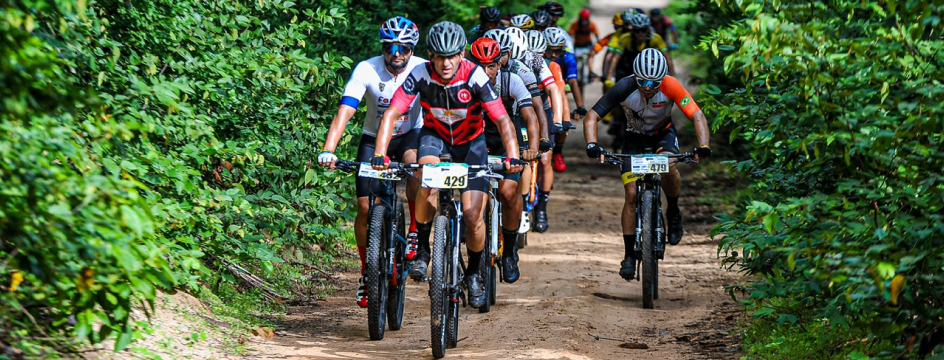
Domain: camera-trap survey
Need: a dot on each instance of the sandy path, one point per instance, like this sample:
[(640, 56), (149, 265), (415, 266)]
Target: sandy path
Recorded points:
[(569, 291)]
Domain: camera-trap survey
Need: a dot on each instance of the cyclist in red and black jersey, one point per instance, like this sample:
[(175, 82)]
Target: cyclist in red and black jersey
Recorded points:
[(453, 93)]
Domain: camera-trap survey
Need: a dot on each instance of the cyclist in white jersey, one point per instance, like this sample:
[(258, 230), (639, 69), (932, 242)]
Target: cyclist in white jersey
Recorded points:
[(378, 78)]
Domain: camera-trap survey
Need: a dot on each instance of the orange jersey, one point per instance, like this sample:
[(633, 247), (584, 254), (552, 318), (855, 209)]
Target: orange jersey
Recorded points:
[(581, 34)]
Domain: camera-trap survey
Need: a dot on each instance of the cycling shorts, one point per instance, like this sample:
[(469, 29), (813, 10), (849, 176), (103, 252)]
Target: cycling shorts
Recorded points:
[(365, 151), (663, 141), (472, 152)]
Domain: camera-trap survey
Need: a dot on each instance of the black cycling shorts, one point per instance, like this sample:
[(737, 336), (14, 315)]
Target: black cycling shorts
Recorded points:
[(473, 153), (365, 151), (634, 143)]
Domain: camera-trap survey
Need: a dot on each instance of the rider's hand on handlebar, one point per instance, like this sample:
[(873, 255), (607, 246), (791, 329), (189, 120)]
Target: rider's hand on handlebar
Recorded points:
[(557, 129), (702, 152), (594, 150), (380, 162), (513, 166), (545, 145), (529, 154), (327, 159)]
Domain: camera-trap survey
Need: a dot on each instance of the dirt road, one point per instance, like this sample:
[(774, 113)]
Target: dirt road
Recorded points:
[(570, 303)]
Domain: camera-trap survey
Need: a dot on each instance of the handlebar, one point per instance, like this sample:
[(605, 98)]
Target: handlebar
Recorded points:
[(617, 159), (351, 166)]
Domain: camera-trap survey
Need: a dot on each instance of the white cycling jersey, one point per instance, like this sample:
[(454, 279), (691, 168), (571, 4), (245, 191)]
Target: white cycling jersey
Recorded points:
[(371, 77)]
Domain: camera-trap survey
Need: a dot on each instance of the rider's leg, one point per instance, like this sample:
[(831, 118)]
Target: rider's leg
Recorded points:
[(672, 186), (545, 183), (412, 188), (430, 147), (628, 221), (473, 204), (512, 204), (360, 229)]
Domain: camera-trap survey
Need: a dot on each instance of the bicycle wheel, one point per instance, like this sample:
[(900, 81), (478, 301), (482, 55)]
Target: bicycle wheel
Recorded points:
[(398, 280), (485, 265), (454, 275), (439, 298), (646, 238), (376, 272)]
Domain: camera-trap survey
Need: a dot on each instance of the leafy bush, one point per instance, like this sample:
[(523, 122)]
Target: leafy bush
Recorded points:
[(842, 110)]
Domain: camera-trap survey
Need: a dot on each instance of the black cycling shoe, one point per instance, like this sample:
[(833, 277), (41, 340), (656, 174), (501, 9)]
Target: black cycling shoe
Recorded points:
[(675, 227), (628, 269), (476, 290), (540, 221), (510, 272), (420, 263)]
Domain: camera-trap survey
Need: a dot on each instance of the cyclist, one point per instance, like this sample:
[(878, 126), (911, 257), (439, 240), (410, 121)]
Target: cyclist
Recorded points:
[(631, 44), (517, 101), (556, 52), (663, 25), (581, 31), (648, 96), (489, 18), (556, 11), (453, 93), (555, 108), (378, 78), (522, 21)]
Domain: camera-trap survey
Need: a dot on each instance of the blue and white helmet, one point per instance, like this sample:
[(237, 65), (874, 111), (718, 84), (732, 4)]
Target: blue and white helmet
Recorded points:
[(399, 29)]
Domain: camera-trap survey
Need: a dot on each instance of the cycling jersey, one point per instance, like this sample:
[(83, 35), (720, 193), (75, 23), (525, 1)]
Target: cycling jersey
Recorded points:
[(371, 77), (614, 44), (581, 30), (525, 73), (627, 41), (568, 65), (540, 69), (647, 116), (454, 109), (515, 97), (662, 27), (558, 80)]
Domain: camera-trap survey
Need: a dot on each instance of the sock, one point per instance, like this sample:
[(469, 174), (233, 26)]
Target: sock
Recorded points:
[(672, 203), (543, 196), (629, 245), (509, 242), (558, 148), (362, 251), (422, 232), (475, 257), (412, 206)]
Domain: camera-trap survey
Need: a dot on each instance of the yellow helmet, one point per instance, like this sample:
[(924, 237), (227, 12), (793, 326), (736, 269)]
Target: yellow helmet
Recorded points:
[(618, 19)]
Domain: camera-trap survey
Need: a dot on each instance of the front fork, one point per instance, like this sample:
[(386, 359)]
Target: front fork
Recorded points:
[(658, 248)]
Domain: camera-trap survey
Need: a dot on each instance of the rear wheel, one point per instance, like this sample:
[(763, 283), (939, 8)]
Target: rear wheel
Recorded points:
[(439, 297), (377, 233), (648, 258), (398, 281)]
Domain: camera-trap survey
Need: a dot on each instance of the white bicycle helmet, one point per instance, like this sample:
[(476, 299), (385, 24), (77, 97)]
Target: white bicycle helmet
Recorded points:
[(555, 36), (522, 21), (517, 34), (640, 21), (399, 29), (536, 41), (519, 49), (650, 64), (502, 37), (446, 38)]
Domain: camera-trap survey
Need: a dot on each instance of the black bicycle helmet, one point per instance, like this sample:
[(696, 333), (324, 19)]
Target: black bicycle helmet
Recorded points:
[(490, 14), (553, 8), (541, 18), (446, 38)]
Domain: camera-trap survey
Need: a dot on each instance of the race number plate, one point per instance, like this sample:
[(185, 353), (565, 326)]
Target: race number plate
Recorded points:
[(446, 176), (492, 159), (650, 164), (365, 170)]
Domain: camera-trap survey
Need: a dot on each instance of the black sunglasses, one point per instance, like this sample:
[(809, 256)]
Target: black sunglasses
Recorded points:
[(641, 30), (397, 48), (557, 51)]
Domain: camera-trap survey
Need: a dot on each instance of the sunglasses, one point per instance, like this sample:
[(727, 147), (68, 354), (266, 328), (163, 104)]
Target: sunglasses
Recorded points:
[(557, 51), (652, 84), (641, 30), (397, 49)]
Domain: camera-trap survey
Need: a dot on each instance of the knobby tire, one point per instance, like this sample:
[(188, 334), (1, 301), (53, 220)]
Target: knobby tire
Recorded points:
[(647, 239), (397, 292), (377, 232), (439, 299)]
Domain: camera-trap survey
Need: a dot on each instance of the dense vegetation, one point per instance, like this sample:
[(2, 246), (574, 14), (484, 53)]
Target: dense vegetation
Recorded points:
[(153, 145), (840, 103)]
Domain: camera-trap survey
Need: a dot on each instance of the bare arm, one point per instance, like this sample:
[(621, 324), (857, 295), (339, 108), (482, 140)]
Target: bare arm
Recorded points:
[(590, 126), (557, 99), (538, 105), (614, 61), (575, 92), (668, 59), (510, 139), (338, 124), (701, 128), (534, 139)]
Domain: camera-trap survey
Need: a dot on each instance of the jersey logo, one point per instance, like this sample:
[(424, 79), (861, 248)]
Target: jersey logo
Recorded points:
[(409, 84), (465, 96), (383, 102), (685, 101), (382, 86), (449, 116), (660, 104)]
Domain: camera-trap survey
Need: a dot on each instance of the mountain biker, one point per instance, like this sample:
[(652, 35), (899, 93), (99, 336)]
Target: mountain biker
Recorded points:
[(555, 52), (556, 11), (378, 78), (517, 101), (648, 96), (453, 93), (555, 106), (489, 18), (581, 31), (663, 25), (631, 44)]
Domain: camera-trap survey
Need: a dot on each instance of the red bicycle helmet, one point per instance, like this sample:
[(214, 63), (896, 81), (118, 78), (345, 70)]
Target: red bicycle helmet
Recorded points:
[(485, 50), (585, 14)]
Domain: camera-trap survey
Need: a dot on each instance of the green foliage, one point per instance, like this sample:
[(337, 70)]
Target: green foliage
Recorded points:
[(842, 110)]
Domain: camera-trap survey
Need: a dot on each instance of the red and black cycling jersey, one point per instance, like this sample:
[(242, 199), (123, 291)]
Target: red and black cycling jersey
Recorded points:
[(453, 110)]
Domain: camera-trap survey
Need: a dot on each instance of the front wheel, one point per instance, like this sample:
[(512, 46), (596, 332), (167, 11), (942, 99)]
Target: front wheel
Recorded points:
[(439, 297), (376, 272), (647, 241)]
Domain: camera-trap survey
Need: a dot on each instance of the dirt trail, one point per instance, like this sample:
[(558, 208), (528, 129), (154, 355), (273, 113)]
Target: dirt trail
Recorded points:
[(569, 292)]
